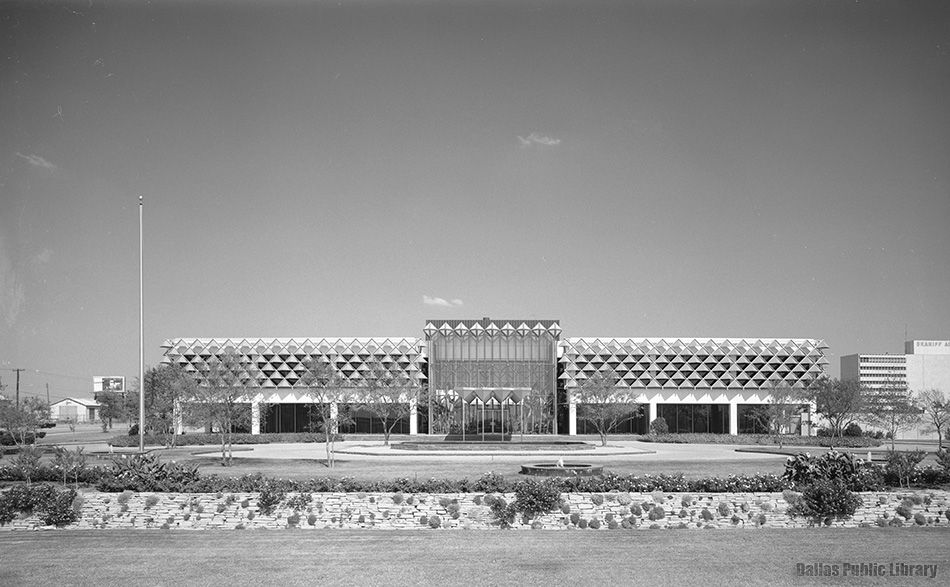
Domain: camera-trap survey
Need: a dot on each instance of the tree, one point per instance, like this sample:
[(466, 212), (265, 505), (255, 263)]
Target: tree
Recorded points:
[(166, 387), (776, 415), (892, 408), (23, 420), (322, 385), (936, 411), (387, 396), (603, 405), (112, 406), (840, 402), (221, 397)]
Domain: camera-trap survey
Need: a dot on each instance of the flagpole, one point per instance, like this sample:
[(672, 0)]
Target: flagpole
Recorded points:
[(141, 339)]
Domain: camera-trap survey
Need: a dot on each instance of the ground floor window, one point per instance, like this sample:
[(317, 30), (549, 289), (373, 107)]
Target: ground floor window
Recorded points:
[(635, 422), (305, 417), (755, 418), (695, 418)]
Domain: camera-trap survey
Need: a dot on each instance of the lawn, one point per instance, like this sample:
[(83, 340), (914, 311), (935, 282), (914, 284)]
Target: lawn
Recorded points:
[(366, 557), (381, 468)]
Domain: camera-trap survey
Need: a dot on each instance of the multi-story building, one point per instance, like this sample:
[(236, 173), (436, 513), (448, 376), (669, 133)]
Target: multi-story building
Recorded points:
[(519, 376), (924, 365)]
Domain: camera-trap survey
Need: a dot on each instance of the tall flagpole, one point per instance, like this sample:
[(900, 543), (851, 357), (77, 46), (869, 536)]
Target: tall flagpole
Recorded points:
[(141, 339)]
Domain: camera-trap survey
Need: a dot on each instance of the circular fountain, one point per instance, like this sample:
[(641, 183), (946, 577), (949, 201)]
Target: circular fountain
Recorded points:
[(561, 469)]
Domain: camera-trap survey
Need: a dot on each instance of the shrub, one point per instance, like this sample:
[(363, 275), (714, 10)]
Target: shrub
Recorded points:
[(706, 515), (148, 473), (724, 509), (565, 508), (636, 510), (397, 498), (943, 460), (804, 469), (270, 497), (582, 524), (293, 519), (853, 430), (905, 511), (594, 524), (575, 518), (435, 522), (901, 466), (56, 507), (300, 501), (825, 498), (659, 426), (597, 499), (920, 519), (311, 519), (204, 439), (151, 501), (657, 513)]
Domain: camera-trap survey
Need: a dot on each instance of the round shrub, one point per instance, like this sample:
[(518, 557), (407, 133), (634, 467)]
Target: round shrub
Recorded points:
[(582, 523), (657, 513), (825, 499), (424, 520), (659, 426), (597, 499), (435, 522), (636, 510), (575, 518), (724, 509), (920, 519), (612, 525), (594, 524), (397, 498), (565, 508), (706, 515)]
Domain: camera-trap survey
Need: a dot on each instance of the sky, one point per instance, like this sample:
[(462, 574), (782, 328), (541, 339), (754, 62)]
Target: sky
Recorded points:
[(630, 168)]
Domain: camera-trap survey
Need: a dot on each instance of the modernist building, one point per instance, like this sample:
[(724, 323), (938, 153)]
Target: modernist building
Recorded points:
[(925, 364), (473, 376)]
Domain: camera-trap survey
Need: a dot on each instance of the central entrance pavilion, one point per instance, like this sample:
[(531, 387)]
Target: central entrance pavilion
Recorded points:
[(502, 367)]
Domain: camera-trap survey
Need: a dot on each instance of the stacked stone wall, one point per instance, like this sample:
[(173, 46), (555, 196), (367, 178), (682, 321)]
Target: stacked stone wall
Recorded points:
[(397, 511)]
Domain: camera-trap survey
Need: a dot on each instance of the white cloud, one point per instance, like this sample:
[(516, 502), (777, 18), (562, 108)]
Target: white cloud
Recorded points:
[(37, 161), (433, 301), (538, 139)]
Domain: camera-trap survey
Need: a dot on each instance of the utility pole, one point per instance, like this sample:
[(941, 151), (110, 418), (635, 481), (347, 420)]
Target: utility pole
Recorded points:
[(141, 336), (18, 385), (47, 393)]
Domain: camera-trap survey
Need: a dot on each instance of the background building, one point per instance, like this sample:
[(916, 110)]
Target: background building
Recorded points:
[(924, 365), (77, 410), (511, 376)]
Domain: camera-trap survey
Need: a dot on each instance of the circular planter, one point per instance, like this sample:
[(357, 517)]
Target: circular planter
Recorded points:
[(564, 470)]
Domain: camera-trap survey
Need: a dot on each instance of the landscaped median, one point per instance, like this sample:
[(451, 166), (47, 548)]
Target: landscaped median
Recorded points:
[(398, 511)]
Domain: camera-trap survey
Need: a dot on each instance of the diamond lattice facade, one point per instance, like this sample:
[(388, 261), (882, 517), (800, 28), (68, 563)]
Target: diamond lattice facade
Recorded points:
[(509, 376)]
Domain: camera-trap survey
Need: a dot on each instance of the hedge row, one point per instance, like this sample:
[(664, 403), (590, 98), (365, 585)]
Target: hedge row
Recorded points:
[(767, 439), (202, 439)]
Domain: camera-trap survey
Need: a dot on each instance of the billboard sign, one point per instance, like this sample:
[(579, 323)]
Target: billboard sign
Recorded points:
[(115, 383)]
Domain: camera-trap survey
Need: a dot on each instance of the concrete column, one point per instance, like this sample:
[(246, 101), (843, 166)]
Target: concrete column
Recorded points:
[(334, 412), (652, 412), (178, 419), (256, 417), (572, 418), (733, 418), (413, 417)]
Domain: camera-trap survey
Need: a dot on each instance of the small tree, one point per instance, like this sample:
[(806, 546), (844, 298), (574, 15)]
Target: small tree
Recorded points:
[(776, 415), (23, 420), (892, 408), (603, 405), (166, 387), (840, 402), (323, 386), (387, 396), (113, 406), (221, 397), (936, 412)]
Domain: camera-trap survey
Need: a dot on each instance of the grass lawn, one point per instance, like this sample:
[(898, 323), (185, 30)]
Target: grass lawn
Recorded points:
[(366, 557), (472, 467)]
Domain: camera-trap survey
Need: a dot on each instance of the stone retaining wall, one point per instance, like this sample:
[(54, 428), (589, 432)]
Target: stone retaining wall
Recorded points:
[(469, 511)]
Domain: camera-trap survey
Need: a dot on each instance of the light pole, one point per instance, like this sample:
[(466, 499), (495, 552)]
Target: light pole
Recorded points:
[(141, 339)]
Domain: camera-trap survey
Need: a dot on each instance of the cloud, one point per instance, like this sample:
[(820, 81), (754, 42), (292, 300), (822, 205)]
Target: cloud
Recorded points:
[(36, 161), (431, 301), (538, 139)]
